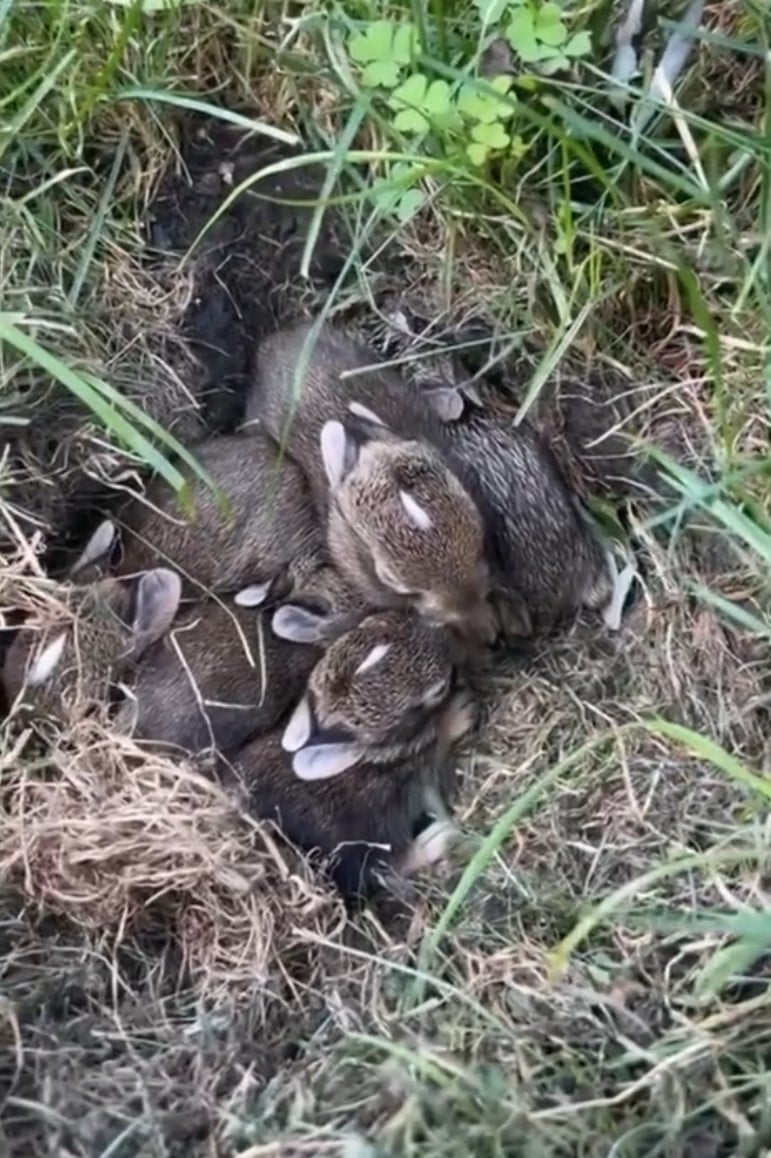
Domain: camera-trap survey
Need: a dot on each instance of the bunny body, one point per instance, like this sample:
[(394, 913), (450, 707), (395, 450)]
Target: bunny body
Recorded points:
[(218, 677), (366, 819), (362, 768), (400, 524), (272, 523), (546, 560)]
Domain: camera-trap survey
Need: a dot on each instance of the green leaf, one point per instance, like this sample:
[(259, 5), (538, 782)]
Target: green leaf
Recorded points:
[(549, 27), (384, 48), (521, 34), (408, 100), (409, 203), (728, 962), (436, 102), (521, 27), (578, 45), (381, 74), (493, 136), (477, 153), (375, 43), (490, 11), (477, 105), (410, 121), (404, 44)]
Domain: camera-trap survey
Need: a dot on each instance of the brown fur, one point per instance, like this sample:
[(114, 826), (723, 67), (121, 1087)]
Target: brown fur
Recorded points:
[(234, 679), (100, 645), (367, 817), (271, 522), (393, 709), (438, 568), (547, 562)]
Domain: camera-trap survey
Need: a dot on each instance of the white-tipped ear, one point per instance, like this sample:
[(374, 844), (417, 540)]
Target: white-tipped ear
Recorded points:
[(447, 401), (388, 579), (47, 661), (338, 452), (99, 545), (297, 624), (365, 413), (415, 513), (298, 729), (158, 595), (322, 761), (254, 595), (622, 583), (378, 653), (429, 846)]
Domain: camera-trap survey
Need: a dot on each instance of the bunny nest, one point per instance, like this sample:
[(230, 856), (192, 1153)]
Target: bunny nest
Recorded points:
[(176, 981)]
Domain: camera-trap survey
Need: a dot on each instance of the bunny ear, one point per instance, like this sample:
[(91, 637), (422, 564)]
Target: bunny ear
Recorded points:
[(47, 661), (339, 452), (254, 595), (322, 761), (158, 595), (447, 401), (298, 625), (298, 729), (622, 584), (98, 546), (364, 412), (429, 846)]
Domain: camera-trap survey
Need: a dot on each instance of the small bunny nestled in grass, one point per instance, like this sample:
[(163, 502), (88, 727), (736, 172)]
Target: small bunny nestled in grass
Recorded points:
[(361, 772)]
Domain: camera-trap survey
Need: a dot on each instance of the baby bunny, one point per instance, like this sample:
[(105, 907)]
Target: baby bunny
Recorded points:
[(385, 690), (271, 524), (65, 659), (400, 524), (224, 672), (361, 772), (375, 821), (547, 559)]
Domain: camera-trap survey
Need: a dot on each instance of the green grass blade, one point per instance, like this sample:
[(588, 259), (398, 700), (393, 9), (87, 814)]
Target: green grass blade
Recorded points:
[(708, 750), (196, 105)]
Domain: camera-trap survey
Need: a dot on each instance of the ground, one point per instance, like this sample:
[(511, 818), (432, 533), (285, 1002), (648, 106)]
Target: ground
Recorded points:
[(174, 980)]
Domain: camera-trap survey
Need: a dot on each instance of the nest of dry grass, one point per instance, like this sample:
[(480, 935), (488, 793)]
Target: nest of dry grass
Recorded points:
[(176, 981)]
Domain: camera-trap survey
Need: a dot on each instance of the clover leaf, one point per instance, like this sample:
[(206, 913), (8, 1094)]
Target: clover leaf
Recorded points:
[(486, 139), (521, 33), (418, 103), (409, 203), (549, 26), (477, 153), (395, 193), (486, 107), (494, 136), (578, 45), (383, 48), (540, 35)]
